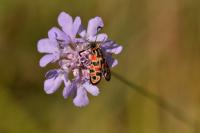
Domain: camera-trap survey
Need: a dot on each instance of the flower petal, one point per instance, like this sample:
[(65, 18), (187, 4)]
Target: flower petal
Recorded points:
[(56, 34), (51, 85), (66, 22), (112, 47), (46, 59), (76, 72), (51, 73), (111, 62), (82, 31), (115, 50), (76, 26), (99, 38), (114, 63), (68, 89), (47, 46), (92, 89), (81, 98), (93, 26)]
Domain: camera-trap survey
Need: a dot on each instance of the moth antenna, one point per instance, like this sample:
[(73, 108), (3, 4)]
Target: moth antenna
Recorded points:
[(98, 29)]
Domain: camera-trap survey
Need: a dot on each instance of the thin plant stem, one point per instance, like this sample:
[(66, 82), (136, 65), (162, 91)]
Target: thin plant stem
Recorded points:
[(171, 109)]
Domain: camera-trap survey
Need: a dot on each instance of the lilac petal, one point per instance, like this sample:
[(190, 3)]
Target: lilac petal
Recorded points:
[(79, 41), (51, 73), (66, 22), (51, 85), (115, 50), (68, 89), (76, 26), (47, 46), (99, 38), (56, 34), (82, 31), (81, 98), (112, 47), (111, 62), (46, 59), (114, 63), (92, 89), (76, 72), (93, 26)]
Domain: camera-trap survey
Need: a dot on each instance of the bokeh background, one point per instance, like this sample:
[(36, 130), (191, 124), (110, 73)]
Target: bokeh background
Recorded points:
[(161, 40)]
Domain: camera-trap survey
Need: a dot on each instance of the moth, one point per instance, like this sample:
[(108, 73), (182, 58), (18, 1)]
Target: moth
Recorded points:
[(98, 67), (95, 62)]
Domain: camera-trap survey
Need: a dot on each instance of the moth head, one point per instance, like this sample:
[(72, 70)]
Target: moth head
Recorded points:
[(93, 44)]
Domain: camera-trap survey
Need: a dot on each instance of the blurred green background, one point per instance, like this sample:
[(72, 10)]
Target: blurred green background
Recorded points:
[(161, 40)]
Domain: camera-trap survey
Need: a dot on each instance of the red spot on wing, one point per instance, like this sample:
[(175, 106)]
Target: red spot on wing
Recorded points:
[(93, 57), (91, 67), (97, 68), (92, 74)]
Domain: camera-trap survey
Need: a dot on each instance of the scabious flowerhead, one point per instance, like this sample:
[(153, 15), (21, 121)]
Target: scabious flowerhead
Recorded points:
[(71, 53)]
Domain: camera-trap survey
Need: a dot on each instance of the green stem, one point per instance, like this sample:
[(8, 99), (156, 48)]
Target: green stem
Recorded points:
[(171, 109)]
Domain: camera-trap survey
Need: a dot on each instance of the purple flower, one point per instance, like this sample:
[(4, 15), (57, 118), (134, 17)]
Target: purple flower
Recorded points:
[(81, 98), (50, 47), (69, 26), (94, 26), (56, 45), (54, 79), (71, 53), (80, 85), (109, 47)]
